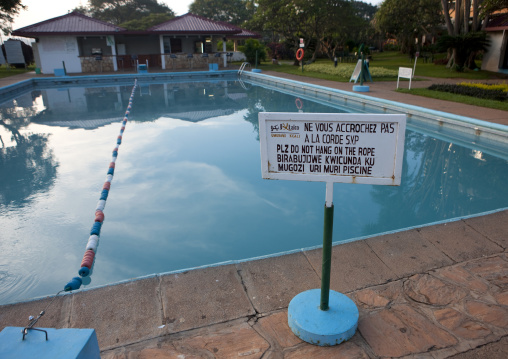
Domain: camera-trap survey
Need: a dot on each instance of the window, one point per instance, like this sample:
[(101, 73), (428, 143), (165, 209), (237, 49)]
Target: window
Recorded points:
[(172, 45), (176, 45)]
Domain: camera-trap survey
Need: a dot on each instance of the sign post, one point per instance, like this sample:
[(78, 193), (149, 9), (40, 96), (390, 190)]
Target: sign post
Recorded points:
[(302, 45), (344, 148), (416, 59)]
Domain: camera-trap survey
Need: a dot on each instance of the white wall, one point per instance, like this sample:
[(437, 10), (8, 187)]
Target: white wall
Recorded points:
[(55, 49), (492, 55)]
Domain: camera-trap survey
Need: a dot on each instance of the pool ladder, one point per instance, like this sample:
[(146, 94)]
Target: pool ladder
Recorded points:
[(242, 67)]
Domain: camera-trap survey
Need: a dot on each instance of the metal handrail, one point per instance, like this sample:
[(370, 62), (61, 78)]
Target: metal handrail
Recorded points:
[(242, 67)]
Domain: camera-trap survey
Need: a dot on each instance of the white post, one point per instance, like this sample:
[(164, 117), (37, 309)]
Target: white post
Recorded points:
[(163, 57), (225, 53), (110, 41), (329, 194)]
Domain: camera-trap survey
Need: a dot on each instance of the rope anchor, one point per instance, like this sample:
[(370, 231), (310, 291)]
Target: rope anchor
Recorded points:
[(35, 320)]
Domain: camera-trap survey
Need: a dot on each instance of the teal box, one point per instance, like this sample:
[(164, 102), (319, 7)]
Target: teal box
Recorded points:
[(61, 343)]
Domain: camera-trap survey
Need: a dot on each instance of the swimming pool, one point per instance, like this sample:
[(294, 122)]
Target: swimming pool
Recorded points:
[(187, 189)]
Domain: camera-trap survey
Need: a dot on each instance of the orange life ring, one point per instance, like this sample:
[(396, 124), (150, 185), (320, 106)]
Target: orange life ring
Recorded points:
[(298, 103), (299, 54)]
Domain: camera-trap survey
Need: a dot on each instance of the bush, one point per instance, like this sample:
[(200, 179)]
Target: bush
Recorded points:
[(250, 48), (503, 87), (478, 92), (391, 47), (345, 70)]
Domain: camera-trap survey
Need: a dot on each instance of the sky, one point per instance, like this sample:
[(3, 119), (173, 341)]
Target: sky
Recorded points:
[(40, 10)]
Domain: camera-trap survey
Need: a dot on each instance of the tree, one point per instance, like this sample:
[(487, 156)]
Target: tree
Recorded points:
[(343, 22), (465, 46), (287, 18), (409, 20), (325, 25), (364, 10), (464, 39), (8, 9), (121, 11), (235, 12), (253, 51), (146, 22)]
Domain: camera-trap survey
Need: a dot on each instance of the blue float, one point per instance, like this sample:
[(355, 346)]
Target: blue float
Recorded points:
[(74, 284), (111, 171), (96, 228), (84, 271), (319, 327), (104, 194)]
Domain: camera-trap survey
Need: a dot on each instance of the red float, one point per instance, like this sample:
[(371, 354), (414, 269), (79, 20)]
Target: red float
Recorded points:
[(299, 54), (88, 259), (99, 216), (298, 103)]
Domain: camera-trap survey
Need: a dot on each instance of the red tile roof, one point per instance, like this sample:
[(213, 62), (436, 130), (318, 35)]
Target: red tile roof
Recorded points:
[(76, 23), (73, 23), (194, 24), (245, 34)]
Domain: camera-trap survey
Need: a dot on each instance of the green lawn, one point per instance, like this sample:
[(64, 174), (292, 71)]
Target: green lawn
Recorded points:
[(6, 72), (469, 100), (384, 62)]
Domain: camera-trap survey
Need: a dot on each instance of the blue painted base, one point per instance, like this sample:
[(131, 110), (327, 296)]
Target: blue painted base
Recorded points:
[(325, 328), (61, 343), (59, 72), (256, 70), (359, 88)]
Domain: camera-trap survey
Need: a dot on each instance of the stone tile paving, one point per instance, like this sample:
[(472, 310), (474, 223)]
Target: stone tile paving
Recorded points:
[(436, 314)]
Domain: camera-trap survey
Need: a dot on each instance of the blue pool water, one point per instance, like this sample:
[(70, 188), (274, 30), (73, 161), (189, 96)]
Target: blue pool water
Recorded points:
[(187, 189)]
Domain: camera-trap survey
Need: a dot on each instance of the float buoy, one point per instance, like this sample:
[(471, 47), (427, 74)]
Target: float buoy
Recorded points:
[(74, 284), (298, 103), (93, 241), (299, 54), (99, 216)]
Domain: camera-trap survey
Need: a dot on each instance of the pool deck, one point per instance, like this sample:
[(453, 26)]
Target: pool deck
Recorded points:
[(432, 292)]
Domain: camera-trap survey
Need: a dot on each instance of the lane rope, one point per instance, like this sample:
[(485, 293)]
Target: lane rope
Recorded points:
[(93, 241)]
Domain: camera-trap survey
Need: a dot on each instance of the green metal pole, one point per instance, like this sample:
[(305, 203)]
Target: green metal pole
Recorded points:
[(327, 257)]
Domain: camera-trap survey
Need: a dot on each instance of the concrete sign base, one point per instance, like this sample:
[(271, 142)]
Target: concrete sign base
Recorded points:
[(324, 328)]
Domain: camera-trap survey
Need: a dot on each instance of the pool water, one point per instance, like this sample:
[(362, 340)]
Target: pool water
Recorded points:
[(187, 189)]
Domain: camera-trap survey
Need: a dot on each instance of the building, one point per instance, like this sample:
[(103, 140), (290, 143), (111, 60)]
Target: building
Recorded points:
[(496, 57), (81, 44)]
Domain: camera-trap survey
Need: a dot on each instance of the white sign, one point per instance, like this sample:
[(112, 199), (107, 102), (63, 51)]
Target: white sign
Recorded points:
[(324, 147), (405, 73), (356, 71), (302, 44)]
